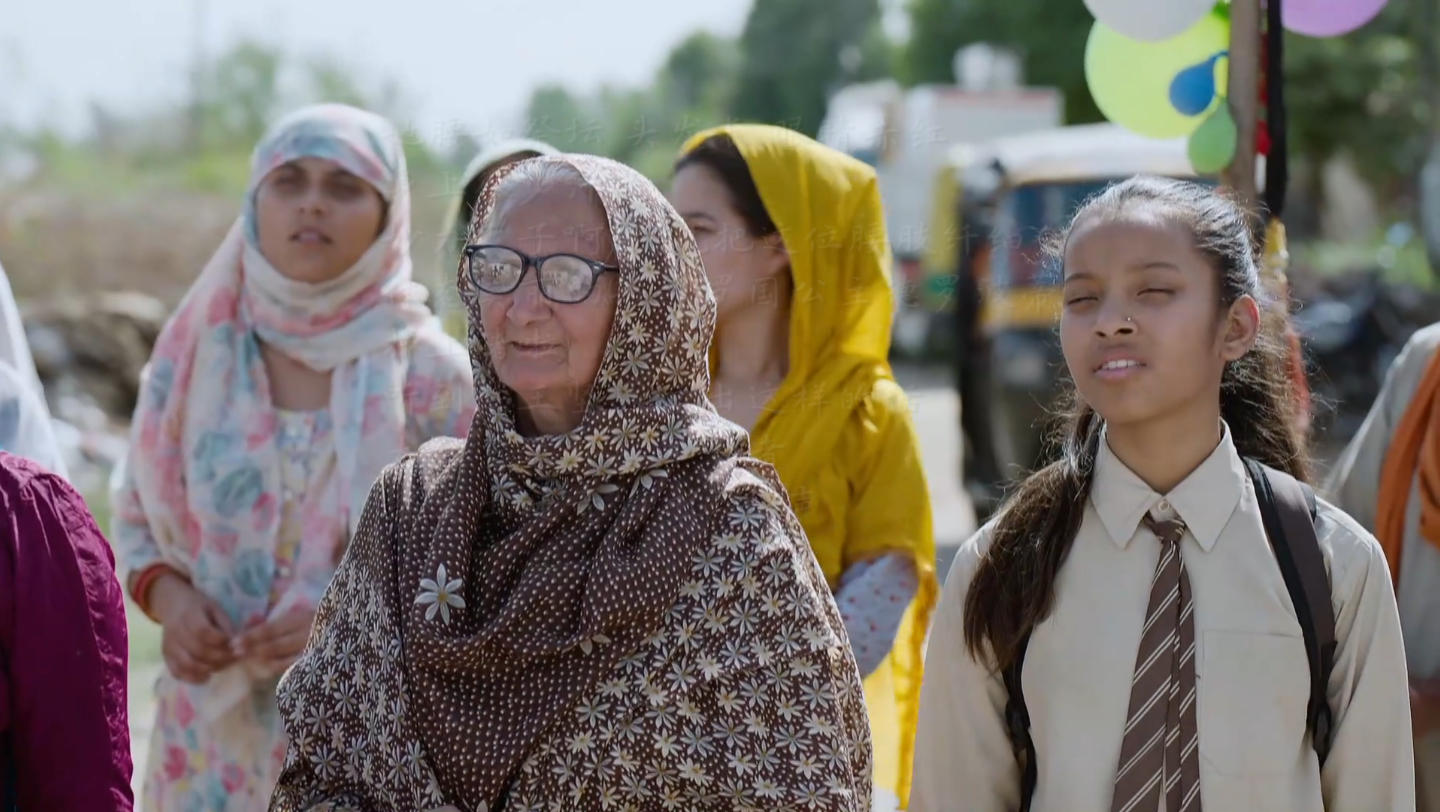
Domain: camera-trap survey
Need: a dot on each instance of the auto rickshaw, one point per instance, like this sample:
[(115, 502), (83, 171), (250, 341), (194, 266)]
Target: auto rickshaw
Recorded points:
[(1022, 190), (947, 292)]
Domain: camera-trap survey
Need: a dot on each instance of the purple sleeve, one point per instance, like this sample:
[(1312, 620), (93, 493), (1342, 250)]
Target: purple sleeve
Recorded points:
[(62, 630)]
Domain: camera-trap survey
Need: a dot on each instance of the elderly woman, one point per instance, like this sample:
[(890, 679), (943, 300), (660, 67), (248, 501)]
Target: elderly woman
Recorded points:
[(596, 601)]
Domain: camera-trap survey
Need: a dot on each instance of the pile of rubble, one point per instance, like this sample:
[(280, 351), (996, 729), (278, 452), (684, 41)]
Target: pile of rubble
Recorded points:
[(89, 352)]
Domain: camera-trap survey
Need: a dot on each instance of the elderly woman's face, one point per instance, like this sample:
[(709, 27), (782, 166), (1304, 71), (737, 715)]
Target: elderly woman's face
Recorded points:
[(549, 353), (316, 220)]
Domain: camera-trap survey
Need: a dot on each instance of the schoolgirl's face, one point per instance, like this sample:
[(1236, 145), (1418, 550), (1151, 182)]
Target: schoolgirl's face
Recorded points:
[(1144, 331)]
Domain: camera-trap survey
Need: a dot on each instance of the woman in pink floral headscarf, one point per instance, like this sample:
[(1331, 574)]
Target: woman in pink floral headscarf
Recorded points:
[(303, 361)]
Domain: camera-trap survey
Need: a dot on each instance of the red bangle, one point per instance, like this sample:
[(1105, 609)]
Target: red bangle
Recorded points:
[(140, 592)]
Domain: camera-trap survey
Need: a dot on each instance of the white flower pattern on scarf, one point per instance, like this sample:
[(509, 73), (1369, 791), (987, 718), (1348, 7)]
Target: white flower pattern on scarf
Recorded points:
[(440, 594)]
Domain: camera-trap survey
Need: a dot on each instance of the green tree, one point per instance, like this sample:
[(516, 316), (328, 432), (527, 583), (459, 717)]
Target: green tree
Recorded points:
[(205, 143), (643, 126), (693, 90), (1361, 93), (1049, 35), (700, 72), (1358, 92), (559, 117), (798, 52), (241, 95)]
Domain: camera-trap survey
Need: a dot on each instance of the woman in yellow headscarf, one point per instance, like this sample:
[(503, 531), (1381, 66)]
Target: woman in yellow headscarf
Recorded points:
[(793, 239)]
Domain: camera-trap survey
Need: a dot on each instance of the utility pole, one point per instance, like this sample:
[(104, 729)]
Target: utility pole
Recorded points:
[(1244, 99), (1243, 96)]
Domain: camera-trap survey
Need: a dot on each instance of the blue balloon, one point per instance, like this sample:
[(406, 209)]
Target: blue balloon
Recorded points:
[(1193, 89)]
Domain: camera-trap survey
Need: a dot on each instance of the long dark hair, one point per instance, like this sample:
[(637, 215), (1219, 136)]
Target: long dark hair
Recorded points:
[(1014, 588), (720, 155)]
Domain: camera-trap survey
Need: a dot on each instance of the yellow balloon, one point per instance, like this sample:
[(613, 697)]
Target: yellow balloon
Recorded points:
[(1130, 80)]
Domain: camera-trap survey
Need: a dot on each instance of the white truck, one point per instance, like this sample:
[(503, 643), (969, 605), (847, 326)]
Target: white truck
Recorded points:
[(910, 135)]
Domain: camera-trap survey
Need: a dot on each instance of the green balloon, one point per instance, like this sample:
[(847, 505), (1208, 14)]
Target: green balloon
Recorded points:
[(1130, 80), (1212, 145)]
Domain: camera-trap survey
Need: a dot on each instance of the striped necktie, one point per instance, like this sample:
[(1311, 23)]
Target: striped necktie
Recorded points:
[(1160, 751)]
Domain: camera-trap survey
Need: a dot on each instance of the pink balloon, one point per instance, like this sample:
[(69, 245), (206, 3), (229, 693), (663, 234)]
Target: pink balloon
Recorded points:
[(1328, 18)]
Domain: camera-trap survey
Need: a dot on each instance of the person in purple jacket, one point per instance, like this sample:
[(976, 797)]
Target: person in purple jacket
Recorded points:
[(64, 731)]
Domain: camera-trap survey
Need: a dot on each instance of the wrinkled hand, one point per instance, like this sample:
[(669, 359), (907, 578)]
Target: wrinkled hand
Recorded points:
[(196, 641), (275, 645)]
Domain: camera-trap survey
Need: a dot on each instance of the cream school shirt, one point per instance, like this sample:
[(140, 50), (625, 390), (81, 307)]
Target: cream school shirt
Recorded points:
[(1251, 664)]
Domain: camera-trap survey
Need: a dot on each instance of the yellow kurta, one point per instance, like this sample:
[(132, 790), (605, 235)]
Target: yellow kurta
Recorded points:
[(839, 430)]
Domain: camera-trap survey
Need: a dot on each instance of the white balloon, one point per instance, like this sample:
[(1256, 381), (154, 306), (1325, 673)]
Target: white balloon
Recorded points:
[(1149, 20)]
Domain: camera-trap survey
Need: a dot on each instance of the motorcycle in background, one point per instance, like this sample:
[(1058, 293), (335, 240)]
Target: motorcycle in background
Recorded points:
[(1350, 337)]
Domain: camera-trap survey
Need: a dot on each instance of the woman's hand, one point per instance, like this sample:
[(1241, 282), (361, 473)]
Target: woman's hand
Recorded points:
[(197, 631), (277, 644)]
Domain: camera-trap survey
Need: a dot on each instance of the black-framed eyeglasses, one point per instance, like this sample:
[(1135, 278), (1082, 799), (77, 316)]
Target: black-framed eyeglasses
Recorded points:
[(563, 278)]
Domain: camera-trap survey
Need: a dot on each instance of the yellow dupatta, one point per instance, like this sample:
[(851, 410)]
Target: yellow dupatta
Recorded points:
[(839, 416)]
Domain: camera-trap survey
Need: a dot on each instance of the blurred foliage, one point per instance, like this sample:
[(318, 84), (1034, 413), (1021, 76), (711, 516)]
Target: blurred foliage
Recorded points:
[(1361, 93), (204, 145), (799, 52), (782, 69), (644, 127), (1358, 93), (1049, 36), (153, 190), (1399, 261)]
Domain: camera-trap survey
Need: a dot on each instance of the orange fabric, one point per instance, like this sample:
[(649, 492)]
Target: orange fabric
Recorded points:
[(1414, 451)]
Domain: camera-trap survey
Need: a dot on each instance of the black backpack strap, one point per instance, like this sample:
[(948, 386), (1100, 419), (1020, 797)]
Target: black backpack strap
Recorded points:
[(1288, 509), (1017, 722)]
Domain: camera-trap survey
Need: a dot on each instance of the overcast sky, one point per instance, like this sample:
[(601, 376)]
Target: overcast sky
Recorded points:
[(466, 63)]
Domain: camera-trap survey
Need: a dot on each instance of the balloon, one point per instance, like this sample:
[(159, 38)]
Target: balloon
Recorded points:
[(1193, 89), (1131, 80), (1212, 145), (1149, 20), (1329, 18)]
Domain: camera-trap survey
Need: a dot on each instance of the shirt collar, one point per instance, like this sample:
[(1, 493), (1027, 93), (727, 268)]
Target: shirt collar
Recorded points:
[(1204, 500)]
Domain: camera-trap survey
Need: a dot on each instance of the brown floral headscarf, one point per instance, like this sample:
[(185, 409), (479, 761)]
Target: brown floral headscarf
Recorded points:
[(496, 585)]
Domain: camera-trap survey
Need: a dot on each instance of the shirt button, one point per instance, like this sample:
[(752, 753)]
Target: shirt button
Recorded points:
[(1163, 507)]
